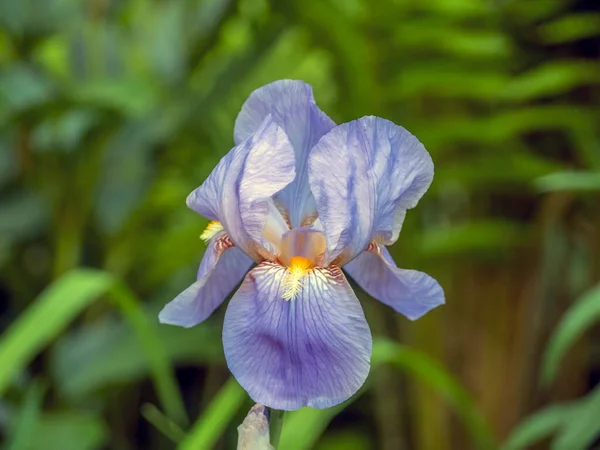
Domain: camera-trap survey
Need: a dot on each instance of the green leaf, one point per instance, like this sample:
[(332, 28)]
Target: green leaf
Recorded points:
[(447, 81), (303, 428), (529, 12), (127, 170), (22, 88), (538, 426), (56, 307), (162, 423), (553, 78), (22, 215), (8, 163), (570, 28), (463, 10), (59, 304), (276, 421), (72, 430), (24, 429), (569, 181), (582, 425), (65, 131), (164, 380), (519, 167), (131, 97), (109, 352), (581, 316), (349, 439), (162, 37), (489, 130), (212, 423), (477, 237), (340, 35), (437, 376), (431, 34), (35, 18)]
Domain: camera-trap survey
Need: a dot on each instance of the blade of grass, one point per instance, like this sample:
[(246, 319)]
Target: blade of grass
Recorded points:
[(59, 304), (276, 418), (582, 315), (162, 423), (569, 181), (53, 310), (537, 427), (24, 429), (212, 423), (582, 427), (304, 427), (437, 376), (164, 380)]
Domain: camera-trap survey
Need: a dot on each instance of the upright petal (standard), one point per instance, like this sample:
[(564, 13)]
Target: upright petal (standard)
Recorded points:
[(293, 107), (364, 175), (238, 191)]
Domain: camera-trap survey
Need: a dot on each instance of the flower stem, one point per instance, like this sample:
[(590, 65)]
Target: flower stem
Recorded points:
[(275, 425)]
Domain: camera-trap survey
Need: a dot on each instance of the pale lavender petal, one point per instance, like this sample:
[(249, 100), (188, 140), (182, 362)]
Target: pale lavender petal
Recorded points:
[(222, 268), (292, 105), (313, 350), (409, 292), (364, 175), (268, 170), (238, 191)]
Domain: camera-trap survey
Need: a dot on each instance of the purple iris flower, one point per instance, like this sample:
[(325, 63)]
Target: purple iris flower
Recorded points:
[(303, 198)]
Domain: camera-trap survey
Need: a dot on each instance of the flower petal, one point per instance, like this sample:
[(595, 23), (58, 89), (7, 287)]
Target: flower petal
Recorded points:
[(238, 191), (293, 108), (221, 269), (364, 175), (313, 350), (409, 292)]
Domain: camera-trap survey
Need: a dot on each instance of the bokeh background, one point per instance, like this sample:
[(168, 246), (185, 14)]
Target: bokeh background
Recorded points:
[(112, 111)]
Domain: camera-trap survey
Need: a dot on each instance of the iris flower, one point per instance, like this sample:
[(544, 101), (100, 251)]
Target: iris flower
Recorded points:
[(297, 200)]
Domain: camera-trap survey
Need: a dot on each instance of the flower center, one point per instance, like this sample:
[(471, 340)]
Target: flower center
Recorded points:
[(302, 243), (292, 282), (212, 228), (301, 250)]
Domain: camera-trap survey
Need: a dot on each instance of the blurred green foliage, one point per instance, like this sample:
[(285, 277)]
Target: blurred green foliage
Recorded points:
[(112, 111)]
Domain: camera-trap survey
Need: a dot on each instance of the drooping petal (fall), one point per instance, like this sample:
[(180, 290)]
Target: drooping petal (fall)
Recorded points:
[(238, 192), (222, 268), (364, 175), (313, 350), (409, 292), (293, 107)]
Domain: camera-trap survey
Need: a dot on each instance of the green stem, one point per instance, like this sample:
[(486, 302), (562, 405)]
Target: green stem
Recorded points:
[(211, 425), (165, 382), (275, 425), (162, 423)]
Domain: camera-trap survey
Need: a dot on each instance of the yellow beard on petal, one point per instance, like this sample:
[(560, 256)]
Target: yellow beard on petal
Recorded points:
[(293, 279), (213, 228)]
